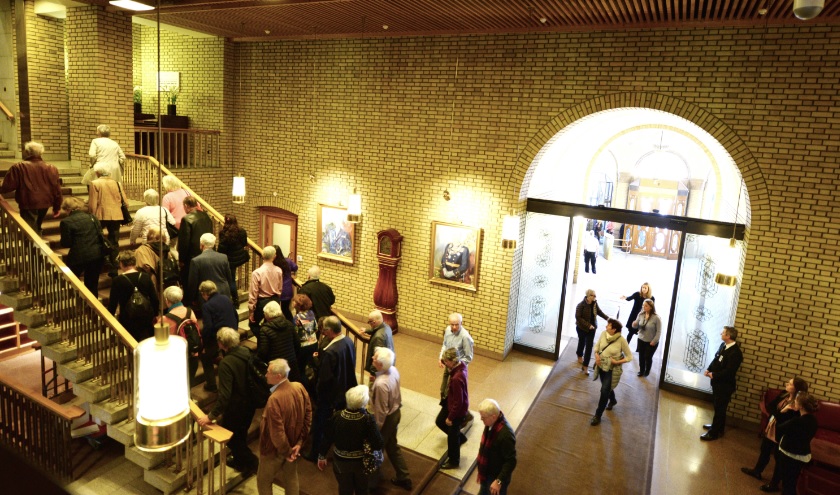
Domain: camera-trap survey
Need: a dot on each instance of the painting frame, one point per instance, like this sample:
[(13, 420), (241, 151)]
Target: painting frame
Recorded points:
[(463, 245), (331, 243)]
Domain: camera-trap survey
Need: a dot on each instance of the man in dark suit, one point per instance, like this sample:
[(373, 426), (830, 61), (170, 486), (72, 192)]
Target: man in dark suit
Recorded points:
[(722, 372), (209, 265), (336, 375), (194, 224), (319, 293), (217, 312)]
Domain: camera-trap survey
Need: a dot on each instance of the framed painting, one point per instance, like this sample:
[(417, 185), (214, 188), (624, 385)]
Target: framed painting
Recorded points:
[(336, 236), (454, 255)]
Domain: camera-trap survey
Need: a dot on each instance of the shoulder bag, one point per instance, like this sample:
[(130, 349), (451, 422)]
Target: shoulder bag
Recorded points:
[(123, 207)]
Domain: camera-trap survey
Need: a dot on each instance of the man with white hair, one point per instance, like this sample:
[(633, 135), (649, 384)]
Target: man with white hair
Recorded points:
[(35, 184), (266, 286), (457, 337), (497, 453), (106, 152), (319, 293), (209, 265), (284, 428), (195, 224), (380, 336), (387, 401), (151, 215)]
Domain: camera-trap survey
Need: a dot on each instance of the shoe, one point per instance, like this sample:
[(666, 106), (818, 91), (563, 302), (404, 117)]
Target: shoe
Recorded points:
[(467, 420), (595, 421), (405, 484), (611, 405), (752, 472), (707, 427), (640, 374), (647, 373), (210, 389), (769, 488), (585, 370), (463, 439), (709, 436), (450, 465)]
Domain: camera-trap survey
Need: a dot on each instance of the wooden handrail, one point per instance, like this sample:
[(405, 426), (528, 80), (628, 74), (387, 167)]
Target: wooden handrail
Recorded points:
[(68, 413), (9, 115), (56, 260)]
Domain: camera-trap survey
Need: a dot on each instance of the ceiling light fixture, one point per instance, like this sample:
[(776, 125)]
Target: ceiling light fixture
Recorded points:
[(131, 5), (807, 9)]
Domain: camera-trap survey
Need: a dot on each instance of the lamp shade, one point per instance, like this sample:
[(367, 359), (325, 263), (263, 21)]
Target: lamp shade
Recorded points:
[(728, 264), (354, 208), (510, 231), (807, 9), (239, 190), (161, 391)]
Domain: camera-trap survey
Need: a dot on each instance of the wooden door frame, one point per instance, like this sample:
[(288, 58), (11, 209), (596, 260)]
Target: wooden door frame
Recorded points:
[(267, 212)]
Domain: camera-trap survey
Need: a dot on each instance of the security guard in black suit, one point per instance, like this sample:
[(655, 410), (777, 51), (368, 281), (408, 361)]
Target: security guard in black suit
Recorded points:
[(722, 372)]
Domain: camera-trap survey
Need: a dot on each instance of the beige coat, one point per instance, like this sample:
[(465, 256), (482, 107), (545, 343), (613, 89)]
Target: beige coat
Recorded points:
[(105, 200)]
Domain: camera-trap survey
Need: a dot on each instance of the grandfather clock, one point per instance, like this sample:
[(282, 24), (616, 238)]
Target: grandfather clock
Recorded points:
[(388, 250)]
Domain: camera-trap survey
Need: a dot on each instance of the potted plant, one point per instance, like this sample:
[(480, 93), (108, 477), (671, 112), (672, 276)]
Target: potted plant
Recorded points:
[(172, 93), (138, 100)]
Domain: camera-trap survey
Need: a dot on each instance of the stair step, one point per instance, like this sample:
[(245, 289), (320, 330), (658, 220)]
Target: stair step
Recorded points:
[(16, 300), (70, 180), (158, 478), (32, 318), (7, 154), (4, 146), (76, 371), (9, 284), (146, 460), (109, 411), (46, 334), (60, 352), (74, 190), (122, 432), (92, 391), (165, 478)]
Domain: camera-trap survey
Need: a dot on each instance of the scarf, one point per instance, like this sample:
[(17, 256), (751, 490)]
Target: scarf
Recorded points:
[(487, 439)]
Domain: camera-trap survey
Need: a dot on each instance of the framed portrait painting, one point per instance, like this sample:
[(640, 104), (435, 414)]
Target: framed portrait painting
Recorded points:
[(336, 236), (455, 255)]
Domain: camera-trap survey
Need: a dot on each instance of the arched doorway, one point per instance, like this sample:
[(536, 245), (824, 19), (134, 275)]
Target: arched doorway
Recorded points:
[(617, 168)]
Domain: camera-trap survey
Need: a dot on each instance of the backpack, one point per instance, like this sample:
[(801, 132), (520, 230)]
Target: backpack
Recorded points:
[(171, 274), (186, 327), (138, 307), (258, 389)]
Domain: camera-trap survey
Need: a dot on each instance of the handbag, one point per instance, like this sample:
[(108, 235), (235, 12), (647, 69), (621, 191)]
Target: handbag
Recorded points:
[(597, 369), (105, 244), (371, 458), (124, 208), (171, 230)]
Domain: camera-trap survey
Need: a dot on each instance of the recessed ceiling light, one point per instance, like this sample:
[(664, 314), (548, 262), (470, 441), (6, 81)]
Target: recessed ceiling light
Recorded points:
[(131, 5)]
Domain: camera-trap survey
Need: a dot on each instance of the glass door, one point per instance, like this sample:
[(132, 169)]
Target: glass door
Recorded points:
[(701, 310), (542, 281)]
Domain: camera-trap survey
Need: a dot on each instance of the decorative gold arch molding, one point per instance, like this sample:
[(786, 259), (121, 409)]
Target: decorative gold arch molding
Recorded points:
[(758, 206)]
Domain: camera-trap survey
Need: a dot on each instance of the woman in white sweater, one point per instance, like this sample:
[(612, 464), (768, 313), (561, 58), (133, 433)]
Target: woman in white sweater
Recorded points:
[(611, 352), (150, 216)]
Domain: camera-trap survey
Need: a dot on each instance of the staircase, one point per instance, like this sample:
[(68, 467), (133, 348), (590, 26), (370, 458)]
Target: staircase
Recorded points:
[(19, 316)]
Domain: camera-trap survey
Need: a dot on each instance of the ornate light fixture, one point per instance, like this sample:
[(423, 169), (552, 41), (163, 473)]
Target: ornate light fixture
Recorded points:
[(510, 231), (354, 207), (161, 392), (729, 261), (239, 190)]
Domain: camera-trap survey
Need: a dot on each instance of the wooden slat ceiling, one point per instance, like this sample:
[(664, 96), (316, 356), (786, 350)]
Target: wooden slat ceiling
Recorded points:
[(296, 19)]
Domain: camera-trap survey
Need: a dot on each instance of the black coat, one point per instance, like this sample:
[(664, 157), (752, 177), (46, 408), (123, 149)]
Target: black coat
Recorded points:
[(235, 249), (122, 287), (724, 366), (233, 381), (321, 295), (501, 456), (795, 434), (279, 340), (193, 226), (82, 233), (336, 373)]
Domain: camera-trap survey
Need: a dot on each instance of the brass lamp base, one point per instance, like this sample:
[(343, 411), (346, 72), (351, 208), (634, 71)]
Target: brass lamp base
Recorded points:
[(727, 280), (160, 435)]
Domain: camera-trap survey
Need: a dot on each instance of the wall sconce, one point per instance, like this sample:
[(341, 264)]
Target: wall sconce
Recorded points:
[(354, 207), (446, 196), (239, 190), (161, 392), (510, 231)]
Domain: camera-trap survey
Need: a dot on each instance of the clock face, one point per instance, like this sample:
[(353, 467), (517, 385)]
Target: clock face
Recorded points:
[(385, 246)]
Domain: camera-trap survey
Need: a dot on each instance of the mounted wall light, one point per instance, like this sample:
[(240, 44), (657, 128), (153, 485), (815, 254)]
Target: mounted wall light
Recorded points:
[(239, 190), (354, 207), (161, 392), (510, 231)]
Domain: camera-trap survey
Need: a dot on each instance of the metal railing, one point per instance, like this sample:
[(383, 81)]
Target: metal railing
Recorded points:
[(37, 429), (179, 148)]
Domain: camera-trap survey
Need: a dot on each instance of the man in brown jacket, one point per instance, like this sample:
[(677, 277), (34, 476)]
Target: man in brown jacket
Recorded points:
[(283, 430), (35, 184), (105, 202)]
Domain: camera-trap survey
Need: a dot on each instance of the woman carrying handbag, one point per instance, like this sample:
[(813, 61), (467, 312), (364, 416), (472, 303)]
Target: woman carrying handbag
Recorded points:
[(611, 352)]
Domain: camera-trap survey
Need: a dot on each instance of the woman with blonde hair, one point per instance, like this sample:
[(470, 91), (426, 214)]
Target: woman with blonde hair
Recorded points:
[(637, 298), (649, 326)]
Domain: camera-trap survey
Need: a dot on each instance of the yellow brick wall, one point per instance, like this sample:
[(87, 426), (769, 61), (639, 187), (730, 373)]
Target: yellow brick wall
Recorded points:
[(48, 104), (375, 114), (99, 52)]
